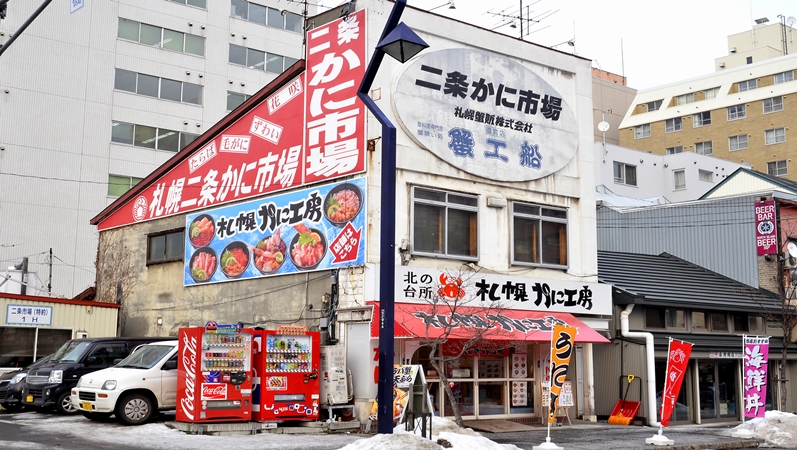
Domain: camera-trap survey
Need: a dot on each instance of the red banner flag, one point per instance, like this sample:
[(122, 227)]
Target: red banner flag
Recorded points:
[(676, 368), (562, 343)]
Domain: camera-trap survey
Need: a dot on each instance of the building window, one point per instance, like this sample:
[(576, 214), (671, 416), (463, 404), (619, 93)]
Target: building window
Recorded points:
[(706, 175), (737, 142), (749, 60), (684, 99), (777, 168), (198, 3), (235, 99), (165, 247), (653, 106), (736, 112), (21, 346), (775, 136), (699, 321), (255, 59), (657, 317), (709, 321), (445, 224), (719, 321), (784, 77), (119, 184), (704, 148), (672, 125), (539, 235), (150, 137), (674, 150), (711, 93), (624, 174), (773, 104), (701, 119), (745, 323), (163, 88), (263, 15), (161, 37), (642, 131), (675, 318), (747, 85), (679, 178)]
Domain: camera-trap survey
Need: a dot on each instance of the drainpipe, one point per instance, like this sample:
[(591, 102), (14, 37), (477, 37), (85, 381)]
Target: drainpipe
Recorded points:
[(651, 362)]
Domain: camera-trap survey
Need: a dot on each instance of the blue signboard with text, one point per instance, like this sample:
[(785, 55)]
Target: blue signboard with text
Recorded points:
[(306, 230)]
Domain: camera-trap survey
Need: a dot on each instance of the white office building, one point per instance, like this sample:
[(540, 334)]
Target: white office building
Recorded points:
[(93, 99)]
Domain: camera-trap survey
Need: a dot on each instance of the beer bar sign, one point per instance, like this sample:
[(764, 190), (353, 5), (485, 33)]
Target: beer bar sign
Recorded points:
[(766, 231)]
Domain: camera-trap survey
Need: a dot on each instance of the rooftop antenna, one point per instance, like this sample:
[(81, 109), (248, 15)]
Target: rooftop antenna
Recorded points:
[(513, 18)]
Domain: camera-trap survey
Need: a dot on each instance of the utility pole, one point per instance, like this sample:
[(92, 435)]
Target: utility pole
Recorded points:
[(50, 279), (24, 288)]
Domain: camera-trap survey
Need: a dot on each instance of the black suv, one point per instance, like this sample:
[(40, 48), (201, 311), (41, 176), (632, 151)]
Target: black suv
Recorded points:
[(50, 384)]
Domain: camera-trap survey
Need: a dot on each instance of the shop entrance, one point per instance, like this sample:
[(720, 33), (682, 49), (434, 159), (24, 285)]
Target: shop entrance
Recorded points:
[(717, 384)]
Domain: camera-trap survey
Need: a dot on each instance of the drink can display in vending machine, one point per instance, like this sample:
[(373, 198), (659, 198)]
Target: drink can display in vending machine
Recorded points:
[(214, 373), (286, 374)]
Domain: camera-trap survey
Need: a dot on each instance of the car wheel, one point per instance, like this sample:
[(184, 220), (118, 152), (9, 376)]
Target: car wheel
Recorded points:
[(96, 416), (11, 407), (64, 404), (134, 409)]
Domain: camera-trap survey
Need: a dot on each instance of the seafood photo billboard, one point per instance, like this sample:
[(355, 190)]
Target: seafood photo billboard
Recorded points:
[(306, 230)]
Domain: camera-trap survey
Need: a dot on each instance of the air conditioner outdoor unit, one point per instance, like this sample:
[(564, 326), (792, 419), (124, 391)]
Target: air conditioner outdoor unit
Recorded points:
[(789, 261)]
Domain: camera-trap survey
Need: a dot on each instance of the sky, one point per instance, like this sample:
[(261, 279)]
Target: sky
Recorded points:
[(651, 42), (776, 429)]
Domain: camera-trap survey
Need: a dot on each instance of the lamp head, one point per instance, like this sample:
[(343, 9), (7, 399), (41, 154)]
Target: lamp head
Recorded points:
[(402, 43)]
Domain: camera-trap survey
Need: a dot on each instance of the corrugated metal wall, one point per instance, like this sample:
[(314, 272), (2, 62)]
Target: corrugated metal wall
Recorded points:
[(97, 321), (718, 235), (608, 373)]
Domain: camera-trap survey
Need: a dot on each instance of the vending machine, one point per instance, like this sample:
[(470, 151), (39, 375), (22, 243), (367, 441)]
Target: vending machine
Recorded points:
[(286, 381), (214, 374)]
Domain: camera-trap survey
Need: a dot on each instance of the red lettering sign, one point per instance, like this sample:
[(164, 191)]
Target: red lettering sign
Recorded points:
[(189, 357), (214, 391)]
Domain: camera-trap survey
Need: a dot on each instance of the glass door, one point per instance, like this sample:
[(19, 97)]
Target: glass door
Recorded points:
[(706, 381), (718, 394)]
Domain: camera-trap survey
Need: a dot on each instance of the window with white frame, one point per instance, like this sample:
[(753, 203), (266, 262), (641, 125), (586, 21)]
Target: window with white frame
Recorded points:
[(704, 148), (672, 125), (539, 235), (235, 99), (255, 59), (773, 104), (674, 150), (161, 37), (263, 15), (737, 142), (445, 224), (736, 112), (777, 168), (705, 175), (701, 119), (198, 3), (775, 136), (684, 99), (624, 173), (653, 106), (163, 88), (119, 184), (642, 131), (150, 137), (747, 85), (784, 77), (679, 178), (712, 93)]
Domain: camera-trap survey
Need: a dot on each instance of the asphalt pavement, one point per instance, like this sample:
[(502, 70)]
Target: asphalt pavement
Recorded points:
[(603, 436)]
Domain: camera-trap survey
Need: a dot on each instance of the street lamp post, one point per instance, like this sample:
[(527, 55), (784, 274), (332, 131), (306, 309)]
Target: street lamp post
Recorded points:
[(401, 43)]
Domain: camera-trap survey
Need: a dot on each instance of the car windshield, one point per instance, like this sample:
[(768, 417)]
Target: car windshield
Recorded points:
[(41, 361), (145, 356), (71, 351)]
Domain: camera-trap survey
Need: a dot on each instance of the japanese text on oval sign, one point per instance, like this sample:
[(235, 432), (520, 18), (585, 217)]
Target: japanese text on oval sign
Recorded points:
[(335, 115)]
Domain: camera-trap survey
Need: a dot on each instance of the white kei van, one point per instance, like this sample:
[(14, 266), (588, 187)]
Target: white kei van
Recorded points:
[(139, 385)]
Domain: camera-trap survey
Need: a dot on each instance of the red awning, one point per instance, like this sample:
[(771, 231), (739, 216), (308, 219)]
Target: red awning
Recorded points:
[(420, 320)]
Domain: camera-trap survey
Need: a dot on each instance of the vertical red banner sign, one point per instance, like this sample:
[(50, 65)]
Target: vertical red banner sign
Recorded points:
[(766, 230), (754, 374), (677, 360), (562, 345), (334, 115)]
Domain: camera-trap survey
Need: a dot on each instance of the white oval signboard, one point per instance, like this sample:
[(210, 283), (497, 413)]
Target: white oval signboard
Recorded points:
[(485, 114)]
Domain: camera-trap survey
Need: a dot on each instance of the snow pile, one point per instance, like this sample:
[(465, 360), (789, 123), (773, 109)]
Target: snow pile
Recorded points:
[(459, 438), (777, 429)]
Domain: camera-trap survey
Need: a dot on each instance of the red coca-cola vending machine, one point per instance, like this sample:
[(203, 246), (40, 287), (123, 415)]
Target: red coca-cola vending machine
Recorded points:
[(286, 379), (214, 374)]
